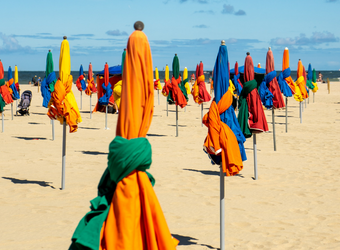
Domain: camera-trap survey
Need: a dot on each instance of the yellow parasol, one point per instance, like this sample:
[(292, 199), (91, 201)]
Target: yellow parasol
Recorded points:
[(63, 106)]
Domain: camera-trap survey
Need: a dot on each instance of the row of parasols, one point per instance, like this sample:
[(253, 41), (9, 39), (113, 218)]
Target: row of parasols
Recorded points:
[(108, 222)]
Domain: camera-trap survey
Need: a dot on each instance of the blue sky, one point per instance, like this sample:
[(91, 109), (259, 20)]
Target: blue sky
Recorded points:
[(98, 30)]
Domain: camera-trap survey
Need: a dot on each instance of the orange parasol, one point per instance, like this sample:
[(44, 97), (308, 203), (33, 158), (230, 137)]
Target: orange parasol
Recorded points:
[(126, 214)]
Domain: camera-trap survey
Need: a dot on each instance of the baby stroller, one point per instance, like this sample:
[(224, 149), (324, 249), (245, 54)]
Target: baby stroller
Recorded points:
[(25, 102)]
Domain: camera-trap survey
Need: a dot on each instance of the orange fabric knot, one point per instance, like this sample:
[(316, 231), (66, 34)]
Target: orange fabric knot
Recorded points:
[(166, 88), (91, 87), (220, 139), (61, 107)]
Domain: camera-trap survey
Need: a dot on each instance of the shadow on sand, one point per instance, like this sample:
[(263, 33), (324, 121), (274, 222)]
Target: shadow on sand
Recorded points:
[(29, 138), (187, 240), (18, 181), (209, 172), (93, 153)]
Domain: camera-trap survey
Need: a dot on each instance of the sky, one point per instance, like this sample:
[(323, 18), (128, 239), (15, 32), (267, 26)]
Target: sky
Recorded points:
[(98, 31)]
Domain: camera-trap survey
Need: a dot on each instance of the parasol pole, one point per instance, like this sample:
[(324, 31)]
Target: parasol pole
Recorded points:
[(255, 156), (52, 122), (106, 118), (12, 110), (313, 96), (301, 112), (167, 109), (91, 106), (16, 106), (176, 120), (328, 86), (2, 118), (274, 136), (305, 103), (286, 114), (63, 156), (81, 99), (202, 114), (221, 208), (158, 96)]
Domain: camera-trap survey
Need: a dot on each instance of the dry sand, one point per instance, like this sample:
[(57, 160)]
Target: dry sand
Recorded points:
[(293, 205)]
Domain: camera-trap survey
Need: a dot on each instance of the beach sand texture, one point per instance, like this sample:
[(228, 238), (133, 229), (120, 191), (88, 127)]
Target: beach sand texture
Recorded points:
[(293, 205)]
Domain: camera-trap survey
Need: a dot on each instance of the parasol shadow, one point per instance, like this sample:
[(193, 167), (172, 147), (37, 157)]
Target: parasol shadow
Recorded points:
[(93, 152), (35, 123), (18, 181), (33, 113), (178, 125), (29, 138), (88, 128), (209, 172), (187, 240)]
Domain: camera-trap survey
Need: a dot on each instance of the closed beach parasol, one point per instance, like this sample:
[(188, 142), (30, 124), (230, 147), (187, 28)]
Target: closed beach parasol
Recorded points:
[(2, 87), (301, 92), (186, 81), (275, 100), (309, 81), (165, 91), (47, 85), (12, 88), (107, 92), (157, 83), (16, 81), (200, 92), (91, 87), (285, 81), (63, 106), (173, 90), (81, 85), (126, 213), (236, 80), (251, 115), (221, 141), (315, 84)]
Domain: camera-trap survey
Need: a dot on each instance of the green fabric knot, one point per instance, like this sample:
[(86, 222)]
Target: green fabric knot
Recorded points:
[(2, 82), (124, 157), (243, 113)]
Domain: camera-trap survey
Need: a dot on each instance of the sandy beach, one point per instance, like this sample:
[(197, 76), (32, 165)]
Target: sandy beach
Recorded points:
[(293, 205)]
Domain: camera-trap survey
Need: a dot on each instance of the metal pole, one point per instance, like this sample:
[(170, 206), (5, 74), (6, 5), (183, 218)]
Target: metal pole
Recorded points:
[(305, 103), (91, 106), (176, 120), (63, 156), (167, 109), (302, 106), (52, 130), (274, 137), (106, 117), (301, 112), (16, 106), (202, 114), (286, 114), (3, 126), (255, 155), (221, 209), (158, 96), (185, 109), (81, 99), (313, 96), (12, 110), (308, 99)]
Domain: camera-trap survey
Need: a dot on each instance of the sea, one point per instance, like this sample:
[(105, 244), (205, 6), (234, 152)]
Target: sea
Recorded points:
[(26, 76)]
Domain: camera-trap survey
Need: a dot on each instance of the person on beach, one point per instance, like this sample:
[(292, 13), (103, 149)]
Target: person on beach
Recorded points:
[(320, 77), (34, 80)]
